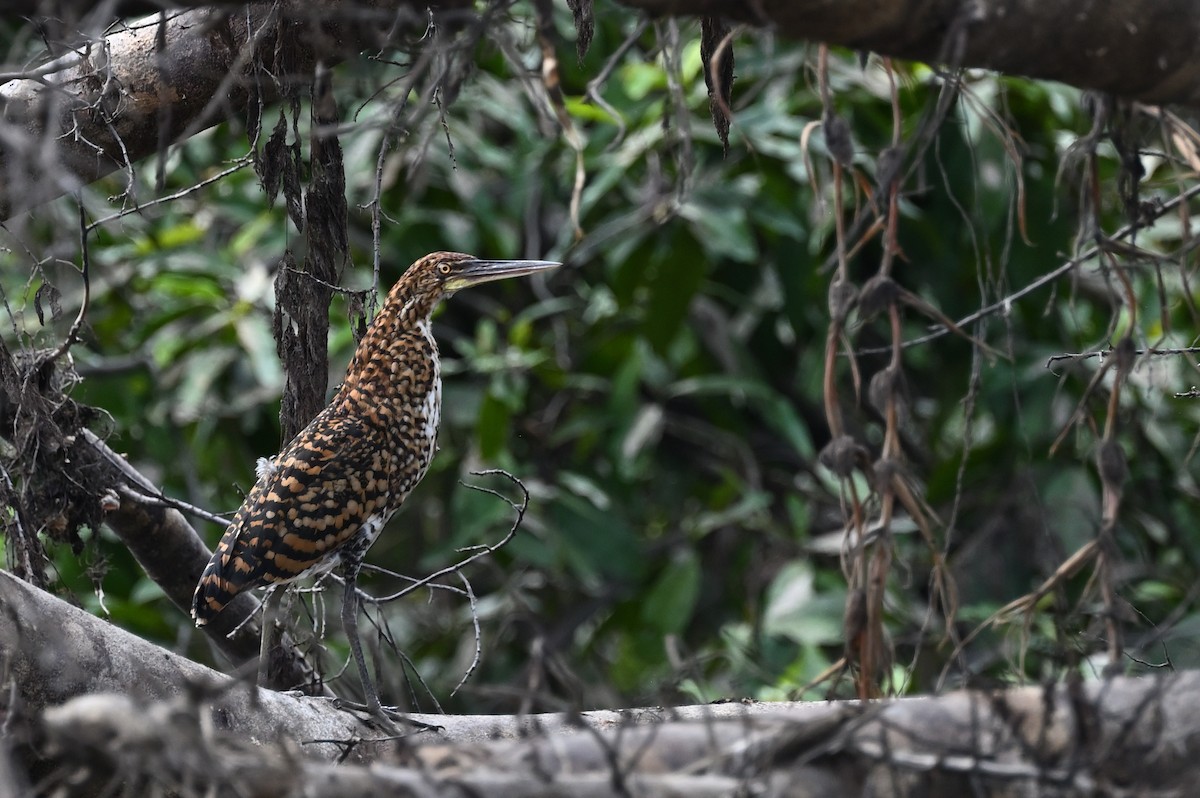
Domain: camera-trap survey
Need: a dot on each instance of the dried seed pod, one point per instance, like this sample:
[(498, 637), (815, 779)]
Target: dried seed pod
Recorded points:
[(854, 618), (585, 25), (1110, 461), (842, 455), (886, 385), (843, 295), (877, 295), (888, 165), (837, 139), (717, 63), (884, 470), (1125, 353)]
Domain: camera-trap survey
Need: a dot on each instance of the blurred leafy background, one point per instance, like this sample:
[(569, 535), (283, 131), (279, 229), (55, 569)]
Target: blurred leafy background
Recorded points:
[(661, 397)]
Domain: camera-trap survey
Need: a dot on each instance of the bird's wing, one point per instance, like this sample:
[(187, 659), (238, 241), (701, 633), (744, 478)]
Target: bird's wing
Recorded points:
[(306, 504)]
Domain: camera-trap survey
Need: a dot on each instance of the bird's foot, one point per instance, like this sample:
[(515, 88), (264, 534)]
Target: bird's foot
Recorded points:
[(390, 719)]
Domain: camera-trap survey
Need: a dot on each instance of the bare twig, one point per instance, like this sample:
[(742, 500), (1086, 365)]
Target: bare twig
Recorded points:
[(85, 272), (476, 551), (594, 85), (1151, 352), (478, 655), (159, 499)]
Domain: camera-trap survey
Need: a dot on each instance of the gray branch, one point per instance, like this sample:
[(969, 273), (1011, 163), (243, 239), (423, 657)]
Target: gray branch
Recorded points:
[(112, 101), (102, 694), (53, 653)]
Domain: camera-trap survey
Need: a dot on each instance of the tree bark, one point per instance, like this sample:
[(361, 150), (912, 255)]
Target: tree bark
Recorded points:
[(54, 652), (109, 103), (1147, 50)]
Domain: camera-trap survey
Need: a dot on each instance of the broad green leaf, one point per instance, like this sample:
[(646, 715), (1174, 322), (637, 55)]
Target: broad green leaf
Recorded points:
[(669, 604), (795, 610)]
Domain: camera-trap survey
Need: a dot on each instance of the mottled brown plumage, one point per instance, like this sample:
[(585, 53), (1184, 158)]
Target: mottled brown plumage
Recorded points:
[(323, 500)]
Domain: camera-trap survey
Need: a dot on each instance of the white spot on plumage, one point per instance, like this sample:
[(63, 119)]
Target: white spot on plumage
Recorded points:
[(372, 527), (265, 467)]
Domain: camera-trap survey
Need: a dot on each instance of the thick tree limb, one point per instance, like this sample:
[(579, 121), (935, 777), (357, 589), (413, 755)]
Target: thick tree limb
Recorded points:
[(156, 715), (1147, 50), (53, 652), (112, 102)]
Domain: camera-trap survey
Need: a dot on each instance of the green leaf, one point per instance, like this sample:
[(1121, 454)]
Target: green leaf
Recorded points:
[(639, 79), (598, 544), (669, 605), (196, 392), (251, 234), (796, 611), (722, 229), (494, 420), (678, 273), (587, 111), (739, 514), (775, 408), (170, 238)]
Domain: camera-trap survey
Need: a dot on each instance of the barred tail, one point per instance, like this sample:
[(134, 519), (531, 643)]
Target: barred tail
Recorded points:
[(212, 594), (231, 570)]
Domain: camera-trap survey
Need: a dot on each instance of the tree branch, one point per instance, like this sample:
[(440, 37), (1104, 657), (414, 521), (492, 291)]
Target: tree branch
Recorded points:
[(1147, 50), (105, 694), (111, 102), (53, 652)]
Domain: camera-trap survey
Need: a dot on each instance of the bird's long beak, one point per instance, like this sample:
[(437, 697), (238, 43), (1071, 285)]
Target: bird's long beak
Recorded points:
[(474, 272)]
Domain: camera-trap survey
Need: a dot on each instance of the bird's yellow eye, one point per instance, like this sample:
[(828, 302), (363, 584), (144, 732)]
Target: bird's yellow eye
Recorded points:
[(444, 268)]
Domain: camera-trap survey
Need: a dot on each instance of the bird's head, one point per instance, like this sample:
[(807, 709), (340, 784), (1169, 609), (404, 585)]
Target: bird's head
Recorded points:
[(440, 274)]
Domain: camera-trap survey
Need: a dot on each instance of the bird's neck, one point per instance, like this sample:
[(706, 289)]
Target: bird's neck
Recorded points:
[(397, 346)]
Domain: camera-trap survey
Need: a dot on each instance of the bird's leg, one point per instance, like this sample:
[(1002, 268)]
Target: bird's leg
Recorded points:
[(268, 640), (350, 625), (387, 716)]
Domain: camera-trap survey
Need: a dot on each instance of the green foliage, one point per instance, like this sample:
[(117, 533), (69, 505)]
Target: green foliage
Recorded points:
[(661, 397)]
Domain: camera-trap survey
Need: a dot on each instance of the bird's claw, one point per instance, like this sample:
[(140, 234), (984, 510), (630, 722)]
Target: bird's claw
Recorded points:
[(390, 719)]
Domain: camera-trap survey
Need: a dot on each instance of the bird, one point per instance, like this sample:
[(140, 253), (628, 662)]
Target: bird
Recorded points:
[(325, 498)]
